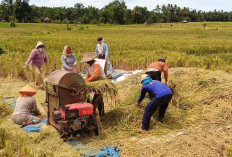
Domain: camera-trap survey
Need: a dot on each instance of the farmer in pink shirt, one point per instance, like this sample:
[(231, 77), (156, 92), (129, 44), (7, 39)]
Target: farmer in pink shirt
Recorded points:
[(36, 60)]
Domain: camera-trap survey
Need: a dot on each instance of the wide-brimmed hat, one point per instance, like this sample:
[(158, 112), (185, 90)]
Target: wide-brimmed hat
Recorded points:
[(27, 90), (39, 43), (88, 56)]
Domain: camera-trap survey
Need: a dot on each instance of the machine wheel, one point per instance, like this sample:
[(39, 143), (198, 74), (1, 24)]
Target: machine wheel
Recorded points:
[(95, 124)]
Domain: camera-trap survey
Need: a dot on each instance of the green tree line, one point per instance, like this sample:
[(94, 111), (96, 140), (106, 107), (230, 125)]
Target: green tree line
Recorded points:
[(115, 12)]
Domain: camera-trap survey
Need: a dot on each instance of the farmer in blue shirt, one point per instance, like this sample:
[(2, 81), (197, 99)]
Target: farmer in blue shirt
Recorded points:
[(163, 95), (102, 51)]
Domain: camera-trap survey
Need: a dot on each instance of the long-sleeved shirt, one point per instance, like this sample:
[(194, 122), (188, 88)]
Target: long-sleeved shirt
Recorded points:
[(36, 58), (70, 61), (106, 52), (94, 71), (156, 87), (23, 108)]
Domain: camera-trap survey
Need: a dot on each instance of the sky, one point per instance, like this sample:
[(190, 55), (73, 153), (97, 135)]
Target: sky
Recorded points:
[(204, 5)]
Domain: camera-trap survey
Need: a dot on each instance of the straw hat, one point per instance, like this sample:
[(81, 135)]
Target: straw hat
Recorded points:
[(27, 90), (39, 43), (89, 56)]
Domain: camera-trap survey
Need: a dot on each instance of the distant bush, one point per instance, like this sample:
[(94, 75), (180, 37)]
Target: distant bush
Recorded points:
[(56, 21), (108, 24), (100, 24), (94, 21), (37, 21), (81, 27), (12, 21), (66, 21), (204, 25)]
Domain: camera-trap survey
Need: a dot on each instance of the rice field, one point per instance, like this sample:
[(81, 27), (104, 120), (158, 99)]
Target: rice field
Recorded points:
[(130, 46), (198, 121)]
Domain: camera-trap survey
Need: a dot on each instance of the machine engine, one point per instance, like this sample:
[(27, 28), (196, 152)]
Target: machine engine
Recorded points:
[(74, 118)]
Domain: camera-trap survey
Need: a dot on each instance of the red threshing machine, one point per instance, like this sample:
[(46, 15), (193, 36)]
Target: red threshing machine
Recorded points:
[(68, 110)]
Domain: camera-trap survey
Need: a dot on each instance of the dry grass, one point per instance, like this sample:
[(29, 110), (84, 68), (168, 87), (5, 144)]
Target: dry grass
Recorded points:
[(198, 123)]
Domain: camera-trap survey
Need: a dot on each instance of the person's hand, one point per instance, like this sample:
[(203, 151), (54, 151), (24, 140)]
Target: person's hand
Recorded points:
[(70, 69), (35, 113), (87, 80), (137, 104), (48, 67), (38, 113), (25, 66)]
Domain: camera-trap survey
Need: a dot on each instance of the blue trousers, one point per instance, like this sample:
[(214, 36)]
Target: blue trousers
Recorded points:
[(150, 109)]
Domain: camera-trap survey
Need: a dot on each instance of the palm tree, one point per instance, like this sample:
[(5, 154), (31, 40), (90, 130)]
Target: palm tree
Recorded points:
[(9, 4)]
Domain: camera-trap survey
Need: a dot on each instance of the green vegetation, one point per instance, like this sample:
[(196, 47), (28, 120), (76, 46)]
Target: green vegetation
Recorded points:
[(229, 152), (131, 47), (115, 12), (12, 21), (198, 120)]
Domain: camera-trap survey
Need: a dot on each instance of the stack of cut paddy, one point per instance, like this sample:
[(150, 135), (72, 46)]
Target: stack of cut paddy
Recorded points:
[(103, 86)]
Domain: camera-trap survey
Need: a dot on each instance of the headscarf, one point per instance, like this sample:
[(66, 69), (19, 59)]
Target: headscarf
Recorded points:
[(147, 80), (65, 51)]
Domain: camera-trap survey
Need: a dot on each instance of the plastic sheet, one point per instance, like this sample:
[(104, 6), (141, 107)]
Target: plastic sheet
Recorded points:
[(11, 101), (33, 128)]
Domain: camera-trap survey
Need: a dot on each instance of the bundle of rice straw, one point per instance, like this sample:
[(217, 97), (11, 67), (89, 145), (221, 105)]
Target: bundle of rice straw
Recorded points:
[(103, 86)]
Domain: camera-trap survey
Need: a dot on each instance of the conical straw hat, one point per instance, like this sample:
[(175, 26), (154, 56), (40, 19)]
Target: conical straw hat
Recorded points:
[(27, 90), (88, 57)]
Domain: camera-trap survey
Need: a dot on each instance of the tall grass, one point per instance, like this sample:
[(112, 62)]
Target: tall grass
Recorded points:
[(131, 47), (229, 152), (17, 145), (4, 110)]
